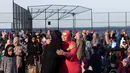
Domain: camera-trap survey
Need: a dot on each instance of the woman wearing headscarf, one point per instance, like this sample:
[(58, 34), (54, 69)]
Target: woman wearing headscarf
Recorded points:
[(126, 62), (3, 40), (18, 50), (50, 62), (127, 39), (32, 57), (48, 35), (43, 39), (81, 46), (95, 42), (84, 34), (81, 53), (118, 36), (107, 37), (94, 63), (8, 64), (120, 56), (9, 42), (38, 38), (70, 64)]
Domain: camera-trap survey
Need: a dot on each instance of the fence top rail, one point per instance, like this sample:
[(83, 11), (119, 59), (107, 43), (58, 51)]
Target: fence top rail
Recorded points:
[(108, 12)]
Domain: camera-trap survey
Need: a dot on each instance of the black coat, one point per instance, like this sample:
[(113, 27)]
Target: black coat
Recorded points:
[(51, 61), (95, 62), (32, 52)]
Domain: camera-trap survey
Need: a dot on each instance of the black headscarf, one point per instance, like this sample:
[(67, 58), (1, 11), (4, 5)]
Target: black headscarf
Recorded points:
[(7, 49), (56, 38), (34, 36)]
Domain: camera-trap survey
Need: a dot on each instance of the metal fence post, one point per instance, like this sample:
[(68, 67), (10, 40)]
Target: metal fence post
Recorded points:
[(126, 21), (74, 21), (91, 20), (58, 19), (45, 20), (108, 20)]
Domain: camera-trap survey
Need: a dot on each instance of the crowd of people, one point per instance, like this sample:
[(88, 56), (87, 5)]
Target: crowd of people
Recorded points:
[(65, 52)]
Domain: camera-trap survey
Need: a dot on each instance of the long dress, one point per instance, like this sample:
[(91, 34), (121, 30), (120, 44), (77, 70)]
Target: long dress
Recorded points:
[(120, 55), (20, 59), (70, 64), (95, 63), (32, 52), (50, 60)]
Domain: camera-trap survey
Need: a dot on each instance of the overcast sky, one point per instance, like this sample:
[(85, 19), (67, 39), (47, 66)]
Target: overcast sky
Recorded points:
[(96, 5)]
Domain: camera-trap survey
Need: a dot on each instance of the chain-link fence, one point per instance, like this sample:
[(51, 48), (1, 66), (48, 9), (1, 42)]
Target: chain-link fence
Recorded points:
[(19, 19), (111, 20), (22, 19), (61, 17)]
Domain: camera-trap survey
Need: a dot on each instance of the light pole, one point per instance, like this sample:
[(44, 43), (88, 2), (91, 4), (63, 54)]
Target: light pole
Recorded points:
[(74, 21)]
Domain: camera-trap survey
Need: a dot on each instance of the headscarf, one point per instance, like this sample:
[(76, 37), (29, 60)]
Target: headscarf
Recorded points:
[(93, 31), (34, 36), (8, 42), (80, 34), (68, 35), (9, 47), (49, 52), (37, 34), (80, 47), (48, 35), (95, 39), (56, 36), (75, 31), (16, 39)]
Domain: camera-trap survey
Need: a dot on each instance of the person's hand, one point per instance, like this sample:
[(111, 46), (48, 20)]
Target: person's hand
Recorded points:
[(102, 57), (59, 52), (129, 56), (124, 63), (94, 45), (20, 66), (48, 41), (71, 46)]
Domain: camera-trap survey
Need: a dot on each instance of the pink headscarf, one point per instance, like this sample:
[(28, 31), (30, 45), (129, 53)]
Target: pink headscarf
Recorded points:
[(68, 35), (93, 31), (48, 32), (75, 31)]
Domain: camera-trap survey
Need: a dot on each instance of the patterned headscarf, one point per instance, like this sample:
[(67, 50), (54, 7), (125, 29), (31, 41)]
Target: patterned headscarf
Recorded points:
[(16, 39)]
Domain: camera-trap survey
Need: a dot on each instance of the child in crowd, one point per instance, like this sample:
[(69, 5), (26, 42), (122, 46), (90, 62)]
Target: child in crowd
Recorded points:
[(8, 64)]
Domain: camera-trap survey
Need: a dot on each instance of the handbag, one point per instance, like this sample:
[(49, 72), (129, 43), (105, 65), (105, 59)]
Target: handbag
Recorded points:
[(32, 69)]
